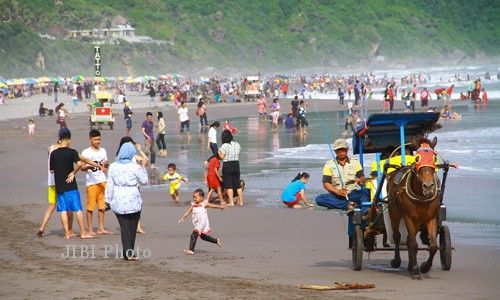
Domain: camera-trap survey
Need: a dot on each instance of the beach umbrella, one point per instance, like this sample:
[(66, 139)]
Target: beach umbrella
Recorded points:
[(44, 79), (3, 85), (138, 79), (78, 78), (110, 78), (99, 79), (14, 82), (120, 78), (59, 80), (129, 80), (30, 80)]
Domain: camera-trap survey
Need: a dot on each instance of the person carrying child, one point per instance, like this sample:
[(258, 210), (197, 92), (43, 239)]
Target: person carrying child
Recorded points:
[(174, 180), (295, 192), (198, 209)]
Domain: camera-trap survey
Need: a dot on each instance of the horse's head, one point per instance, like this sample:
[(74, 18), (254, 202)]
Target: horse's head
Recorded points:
[(425, 166)]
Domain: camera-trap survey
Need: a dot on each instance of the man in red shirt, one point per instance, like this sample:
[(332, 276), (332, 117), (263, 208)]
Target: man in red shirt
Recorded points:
[(447, 97)]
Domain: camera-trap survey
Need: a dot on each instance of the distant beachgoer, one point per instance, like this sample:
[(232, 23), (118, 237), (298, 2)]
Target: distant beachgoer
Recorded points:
[(212, 137), (56, 91), (386, 99), (61, 113), (391, 95), (74, 100), (174, 180), (198, 209), (147, 131), (229, 153), (447, 114), (484, 97), (201, 111), (228, 126), (31, 128), (127, 113), (160, 138), (184, 120), (424, 98), (289, 124), (295, 107), (42, 111), (295, 192), (275, 113), (152, 96), (341, 95), (302, 123), (261, 106), (124, 197)]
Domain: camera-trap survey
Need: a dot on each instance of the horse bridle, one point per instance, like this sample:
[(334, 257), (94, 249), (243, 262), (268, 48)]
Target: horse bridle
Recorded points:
[(422, 159)]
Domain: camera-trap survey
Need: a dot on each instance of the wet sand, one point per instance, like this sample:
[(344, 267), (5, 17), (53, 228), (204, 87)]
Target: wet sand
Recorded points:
[(266, 253)]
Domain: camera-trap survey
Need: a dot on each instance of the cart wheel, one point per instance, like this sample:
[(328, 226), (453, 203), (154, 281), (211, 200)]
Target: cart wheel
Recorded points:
[(357, 249), (445, 248), (111, 125)]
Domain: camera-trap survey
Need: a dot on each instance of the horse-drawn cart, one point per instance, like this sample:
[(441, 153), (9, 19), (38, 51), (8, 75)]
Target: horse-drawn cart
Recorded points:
[(101, 111), (404, 186)]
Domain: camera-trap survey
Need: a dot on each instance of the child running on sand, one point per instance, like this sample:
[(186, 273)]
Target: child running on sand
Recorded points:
[(31, 128), (200, 220), (295, 191), (174, 180)]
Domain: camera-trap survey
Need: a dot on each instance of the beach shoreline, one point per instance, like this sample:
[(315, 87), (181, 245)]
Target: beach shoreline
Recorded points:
[(267, 252)]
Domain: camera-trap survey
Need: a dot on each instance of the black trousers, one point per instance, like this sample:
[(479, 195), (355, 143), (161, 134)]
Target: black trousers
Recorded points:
[(203, 119), (194, 237), (128, 228), (160, 141)]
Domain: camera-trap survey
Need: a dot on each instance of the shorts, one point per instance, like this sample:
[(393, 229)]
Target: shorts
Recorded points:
[(231, 174), (69, 201), (424, 103), (386, 104), (174, 188), (292, 203), (51, 194), (185, 124), (95, 195), (128, 123), (213, 182)]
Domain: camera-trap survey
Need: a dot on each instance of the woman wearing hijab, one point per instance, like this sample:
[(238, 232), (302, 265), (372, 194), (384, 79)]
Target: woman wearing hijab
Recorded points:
[(123, 196)]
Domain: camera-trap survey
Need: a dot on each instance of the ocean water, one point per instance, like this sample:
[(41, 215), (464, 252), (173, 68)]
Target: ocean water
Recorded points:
[(270, 160)]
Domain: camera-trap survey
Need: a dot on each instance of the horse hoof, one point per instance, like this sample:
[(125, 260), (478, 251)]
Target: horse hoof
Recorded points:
[(416, 277), (424, 267), (395, 263)]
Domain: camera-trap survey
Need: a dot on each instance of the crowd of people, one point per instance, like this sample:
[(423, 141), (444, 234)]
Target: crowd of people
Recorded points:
[(115, 186)]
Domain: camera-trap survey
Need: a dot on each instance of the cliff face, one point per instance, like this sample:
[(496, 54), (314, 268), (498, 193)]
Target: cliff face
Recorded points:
[(255, 35)]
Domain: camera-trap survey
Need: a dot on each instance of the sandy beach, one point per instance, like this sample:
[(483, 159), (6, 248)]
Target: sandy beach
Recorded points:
[(267, 252)]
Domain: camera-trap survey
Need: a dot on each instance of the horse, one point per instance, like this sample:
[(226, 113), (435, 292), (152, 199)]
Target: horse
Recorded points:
[(414, 195)]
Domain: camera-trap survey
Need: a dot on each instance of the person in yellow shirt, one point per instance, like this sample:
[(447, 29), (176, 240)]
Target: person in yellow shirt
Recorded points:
[(174, 179)]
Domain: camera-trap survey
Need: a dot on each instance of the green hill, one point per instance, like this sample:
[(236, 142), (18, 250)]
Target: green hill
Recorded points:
[(256, 35)]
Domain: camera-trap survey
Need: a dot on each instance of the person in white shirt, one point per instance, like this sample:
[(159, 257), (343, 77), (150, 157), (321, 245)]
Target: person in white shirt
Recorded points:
[(184, 119), (95, 182), (124, 197), (212, 137)]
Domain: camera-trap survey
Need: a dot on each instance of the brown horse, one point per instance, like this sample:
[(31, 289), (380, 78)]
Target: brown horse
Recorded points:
[(414, 196)]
